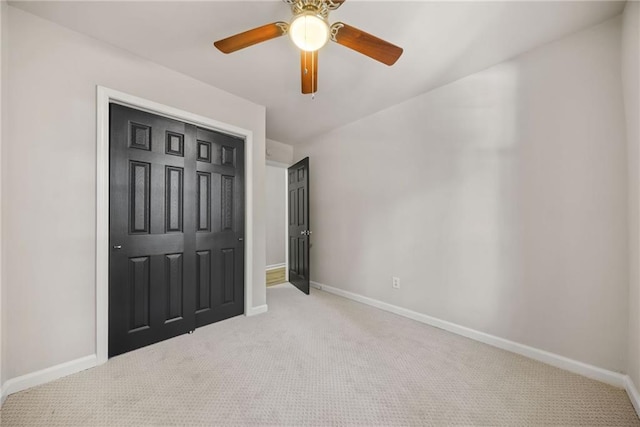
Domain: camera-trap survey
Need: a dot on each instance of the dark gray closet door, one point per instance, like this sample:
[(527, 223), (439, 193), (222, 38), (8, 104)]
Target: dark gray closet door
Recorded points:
[(156, 200)]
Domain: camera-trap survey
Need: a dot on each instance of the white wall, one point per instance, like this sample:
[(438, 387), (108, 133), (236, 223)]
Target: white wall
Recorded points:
[(630, 77), (3, 63), (49, 180), (275, 213), (500, 200), (279, 152)]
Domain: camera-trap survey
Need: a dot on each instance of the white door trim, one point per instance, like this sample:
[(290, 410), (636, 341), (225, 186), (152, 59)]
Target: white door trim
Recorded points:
[(104, 97), (286, 224)]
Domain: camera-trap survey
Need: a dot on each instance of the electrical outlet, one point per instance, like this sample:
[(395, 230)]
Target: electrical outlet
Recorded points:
[(396, 283)]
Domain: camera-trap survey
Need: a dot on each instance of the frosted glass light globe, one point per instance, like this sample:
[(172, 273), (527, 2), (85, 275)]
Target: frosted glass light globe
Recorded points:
[(309, 32)]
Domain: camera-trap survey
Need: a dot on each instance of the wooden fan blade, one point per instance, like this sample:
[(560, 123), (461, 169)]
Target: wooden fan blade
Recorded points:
[(309, 71), (251, 37), (365, 43), (334, 4)]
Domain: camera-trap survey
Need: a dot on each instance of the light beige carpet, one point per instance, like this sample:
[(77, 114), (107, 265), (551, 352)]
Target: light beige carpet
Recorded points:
[(320, 360)]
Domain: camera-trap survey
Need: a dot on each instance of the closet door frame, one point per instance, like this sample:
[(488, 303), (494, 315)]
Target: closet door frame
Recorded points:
[(105, 96)]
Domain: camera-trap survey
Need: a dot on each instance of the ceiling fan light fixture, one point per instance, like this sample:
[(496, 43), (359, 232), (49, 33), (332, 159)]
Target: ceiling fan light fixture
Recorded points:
[(309, 31)]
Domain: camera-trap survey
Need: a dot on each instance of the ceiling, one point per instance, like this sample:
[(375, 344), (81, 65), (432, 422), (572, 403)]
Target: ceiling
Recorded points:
[(442, 41)]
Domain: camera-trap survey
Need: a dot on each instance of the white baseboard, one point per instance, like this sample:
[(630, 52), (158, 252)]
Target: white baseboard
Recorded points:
[(253, 311), (43, 376), (613, 378), (276, 266), (632, 391), (3, 395), (33, 379)]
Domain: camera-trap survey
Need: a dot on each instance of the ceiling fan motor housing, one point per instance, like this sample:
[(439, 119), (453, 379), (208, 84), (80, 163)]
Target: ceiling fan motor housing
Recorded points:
[(320, 8)]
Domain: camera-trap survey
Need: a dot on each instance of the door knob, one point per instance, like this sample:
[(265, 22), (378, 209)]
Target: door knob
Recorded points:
[(116, 247)]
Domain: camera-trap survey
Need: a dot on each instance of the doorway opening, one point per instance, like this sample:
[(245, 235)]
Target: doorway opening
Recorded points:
[(297, 235), (276, 223)]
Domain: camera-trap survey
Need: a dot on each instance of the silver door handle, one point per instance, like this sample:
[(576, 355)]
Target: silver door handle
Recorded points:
[(117, 247), (303, 232)]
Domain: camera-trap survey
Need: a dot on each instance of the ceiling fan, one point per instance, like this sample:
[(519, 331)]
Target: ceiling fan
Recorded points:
[(309, 29)]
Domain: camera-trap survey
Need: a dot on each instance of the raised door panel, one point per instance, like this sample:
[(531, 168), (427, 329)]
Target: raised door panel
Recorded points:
[(140, 298), (203, 209), (174, 191), (174, 282), (226, 203), (228, 275), (139, 136), (301, 251), (204, 151), (301, 211), (293, 217), (293, 254), (228, 155), (203, 281), (139, 189), (174, 144)]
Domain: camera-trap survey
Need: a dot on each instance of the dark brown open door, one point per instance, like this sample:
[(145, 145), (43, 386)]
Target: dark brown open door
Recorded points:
[(299, 231)]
